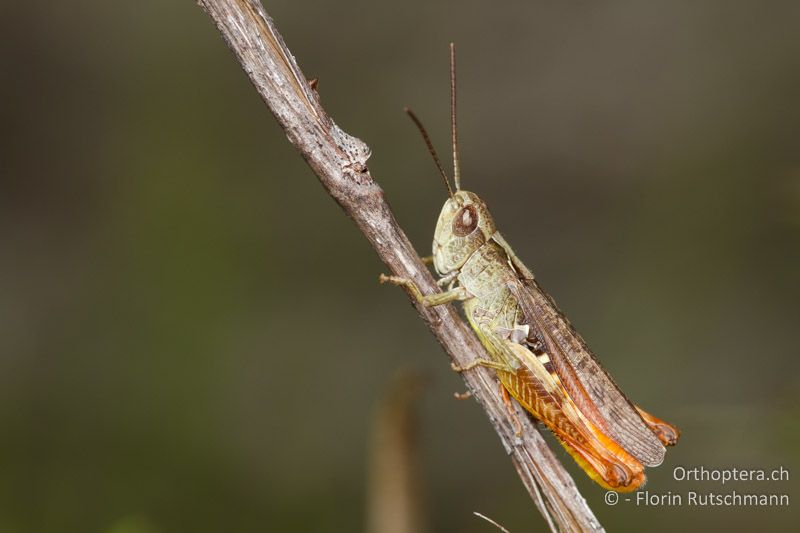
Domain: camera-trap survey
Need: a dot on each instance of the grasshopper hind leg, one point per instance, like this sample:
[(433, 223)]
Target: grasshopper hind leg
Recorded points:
[(510, 409), (614, 476), (666, 432)]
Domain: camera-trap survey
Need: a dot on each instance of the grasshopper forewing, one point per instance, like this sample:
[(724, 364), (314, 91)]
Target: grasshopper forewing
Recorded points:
[(592, 388), (539, 358)]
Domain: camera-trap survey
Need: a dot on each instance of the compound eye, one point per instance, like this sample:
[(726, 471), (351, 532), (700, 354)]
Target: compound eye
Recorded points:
[(466, 221)]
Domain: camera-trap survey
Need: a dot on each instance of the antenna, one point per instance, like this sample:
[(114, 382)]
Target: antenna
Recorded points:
[(431, 149), (453, 128)]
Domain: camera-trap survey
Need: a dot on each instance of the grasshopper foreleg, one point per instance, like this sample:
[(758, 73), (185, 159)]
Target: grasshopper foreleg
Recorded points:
[(428, 300)]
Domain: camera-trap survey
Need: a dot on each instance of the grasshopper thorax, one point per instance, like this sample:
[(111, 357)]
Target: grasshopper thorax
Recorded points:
[(464, 226)]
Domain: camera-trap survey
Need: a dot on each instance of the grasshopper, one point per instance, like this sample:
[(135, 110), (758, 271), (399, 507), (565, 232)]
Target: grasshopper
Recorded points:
[(538, 357)]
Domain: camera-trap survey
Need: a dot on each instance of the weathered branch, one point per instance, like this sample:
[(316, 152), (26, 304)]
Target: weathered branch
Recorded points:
[(340, 162)]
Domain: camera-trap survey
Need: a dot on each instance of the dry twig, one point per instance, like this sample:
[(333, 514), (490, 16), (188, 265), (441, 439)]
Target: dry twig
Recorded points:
[(340, 162)]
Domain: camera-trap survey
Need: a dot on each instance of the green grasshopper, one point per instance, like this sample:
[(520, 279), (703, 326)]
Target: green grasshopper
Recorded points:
[(538, 357)]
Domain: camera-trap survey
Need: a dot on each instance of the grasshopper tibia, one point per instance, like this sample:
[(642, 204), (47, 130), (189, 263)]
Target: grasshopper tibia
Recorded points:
[(510, 409)]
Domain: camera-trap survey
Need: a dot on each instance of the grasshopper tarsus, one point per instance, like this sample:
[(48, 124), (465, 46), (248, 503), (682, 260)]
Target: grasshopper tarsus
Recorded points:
[(395, 280)]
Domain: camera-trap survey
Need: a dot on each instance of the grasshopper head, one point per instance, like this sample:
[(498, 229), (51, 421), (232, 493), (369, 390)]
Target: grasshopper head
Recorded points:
[(464, 225)]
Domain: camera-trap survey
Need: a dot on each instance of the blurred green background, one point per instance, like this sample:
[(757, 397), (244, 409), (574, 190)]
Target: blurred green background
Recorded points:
[(192, 337)]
